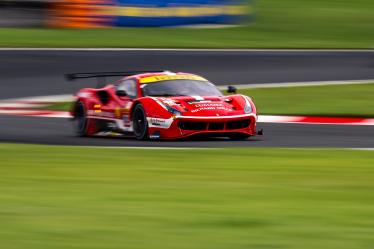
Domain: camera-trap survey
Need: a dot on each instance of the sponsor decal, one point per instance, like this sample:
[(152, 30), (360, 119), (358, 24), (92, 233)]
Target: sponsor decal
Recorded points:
[(160, 122), (118, 112), (210, 106), (97, 108), (169, 102), (155, 135), (157, 121), (101, 113), (159, 78)]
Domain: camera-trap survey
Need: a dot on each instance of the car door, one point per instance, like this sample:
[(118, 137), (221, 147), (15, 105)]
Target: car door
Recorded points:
[(127, 92)]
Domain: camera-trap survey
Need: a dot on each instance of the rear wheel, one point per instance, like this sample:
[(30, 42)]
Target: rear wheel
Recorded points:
[(80, 120), (83, 126), (139, 123)]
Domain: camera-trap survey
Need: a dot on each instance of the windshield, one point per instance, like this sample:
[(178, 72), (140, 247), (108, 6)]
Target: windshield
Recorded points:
[(180, 88)]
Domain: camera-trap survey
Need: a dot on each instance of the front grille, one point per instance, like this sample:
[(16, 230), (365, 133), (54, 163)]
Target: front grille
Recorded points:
[(193, 126), (216, 126), (213, 126), (240, 124)]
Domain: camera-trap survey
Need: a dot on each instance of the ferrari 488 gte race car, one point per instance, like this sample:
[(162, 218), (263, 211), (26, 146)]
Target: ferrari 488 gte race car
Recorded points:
[(161, 105)]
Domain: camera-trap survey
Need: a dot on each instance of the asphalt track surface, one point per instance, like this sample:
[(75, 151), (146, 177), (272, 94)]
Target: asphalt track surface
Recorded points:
[(58, 131), (35, 73)]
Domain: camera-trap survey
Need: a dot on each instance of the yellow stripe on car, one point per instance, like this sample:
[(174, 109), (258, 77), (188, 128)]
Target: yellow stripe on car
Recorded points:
[(153, 79)]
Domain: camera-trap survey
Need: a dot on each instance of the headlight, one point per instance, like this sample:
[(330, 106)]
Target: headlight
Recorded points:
[(247, 107), (173, 111)]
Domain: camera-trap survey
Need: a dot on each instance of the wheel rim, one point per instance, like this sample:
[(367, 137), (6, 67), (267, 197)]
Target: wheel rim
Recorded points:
[(139, 122)]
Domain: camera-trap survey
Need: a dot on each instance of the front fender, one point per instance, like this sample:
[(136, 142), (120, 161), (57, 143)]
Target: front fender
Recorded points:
[(152, 107)]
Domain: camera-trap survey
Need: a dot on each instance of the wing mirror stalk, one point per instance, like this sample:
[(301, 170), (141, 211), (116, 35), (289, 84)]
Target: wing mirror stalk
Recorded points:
[(232, 89)]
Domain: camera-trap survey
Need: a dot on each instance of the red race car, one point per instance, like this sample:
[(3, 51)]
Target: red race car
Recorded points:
[(162, 105)]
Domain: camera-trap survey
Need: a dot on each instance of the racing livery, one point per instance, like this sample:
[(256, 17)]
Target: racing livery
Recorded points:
[(161, 105)]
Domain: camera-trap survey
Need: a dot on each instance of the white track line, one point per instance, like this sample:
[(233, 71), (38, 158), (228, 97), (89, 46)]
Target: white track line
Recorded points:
[(19, 105), (217, 148), (40, 99), (300, 84), (36, 113), (198, 148), (192, 50), (261, 118), (365, 149), (277, 119), (147, 148)]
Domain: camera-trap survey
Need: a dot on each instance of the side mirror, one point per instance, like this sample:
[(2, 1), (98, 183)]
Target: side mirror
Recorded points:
[(121, 93), (231, 89)]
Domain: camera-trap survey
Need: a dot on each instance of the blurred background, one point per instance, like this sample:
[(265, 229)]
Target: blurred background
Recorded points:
[(226, 23), (23, 13), (107, 13)]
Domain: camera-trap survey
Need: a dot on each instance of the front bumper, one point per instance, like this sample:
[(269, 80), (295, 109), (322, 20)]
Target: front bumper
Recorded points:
[(186, 126)]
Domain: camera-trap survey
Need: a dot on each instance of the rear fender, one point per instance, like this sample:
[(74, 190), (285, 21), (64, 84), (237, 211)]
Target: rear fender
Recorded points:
[(88, 98)]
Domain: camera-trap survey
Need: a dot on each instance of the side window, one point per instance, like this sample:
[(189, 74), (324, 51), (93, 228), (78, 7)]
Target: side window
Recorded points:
[(129, 86)]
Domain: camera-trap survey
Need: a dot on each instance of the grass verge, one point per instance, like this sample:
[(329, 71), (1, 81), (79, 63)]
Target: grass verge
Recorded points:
[(278, 24), (71, 197), (328, 100)]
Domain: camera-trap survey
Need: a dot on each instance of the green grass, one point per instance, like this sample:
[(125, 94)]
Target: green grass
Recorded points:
[(71, 197), (60, 106), (278, 24), (333, 100)]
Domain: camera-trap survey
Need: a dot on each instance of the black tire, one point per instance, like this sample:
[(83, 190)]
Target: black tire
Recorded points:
[(140, 123), (80, 121), (239, 136)]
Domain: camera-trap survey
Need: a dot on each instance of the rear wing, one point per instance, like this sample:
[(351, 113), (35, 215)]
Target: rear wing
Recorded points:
[(99, 75)]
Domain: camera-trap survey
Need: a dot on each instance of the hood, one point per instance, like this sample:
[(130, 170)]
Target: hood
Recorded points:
[(206, 106)]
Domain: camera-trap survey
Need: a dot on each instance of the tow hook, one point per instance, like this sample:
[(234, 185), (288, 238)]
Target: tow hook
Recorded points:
[(260, 132)]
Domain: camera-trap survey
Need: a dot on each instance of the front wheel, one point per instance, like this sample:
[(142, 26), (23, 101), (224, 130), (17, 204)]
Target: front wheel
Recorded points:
[(140, 123)]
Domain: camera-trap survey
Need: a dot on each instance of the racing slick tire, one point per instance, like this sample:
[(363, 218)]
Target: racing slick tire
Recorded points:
[(239, 136), (140, 123), (83, 126)]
